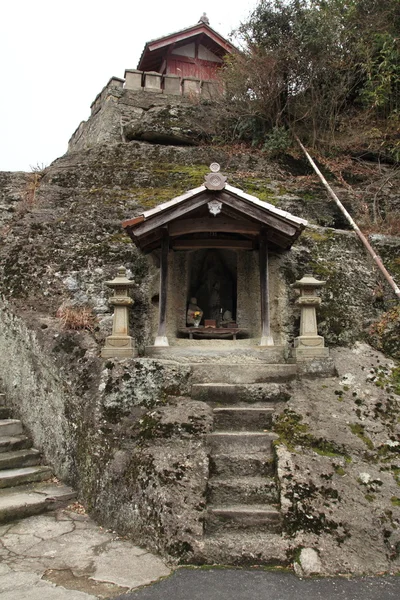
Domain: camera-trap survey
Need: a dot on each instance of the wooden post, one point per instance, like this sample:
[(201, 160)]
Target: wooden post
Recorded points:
[(161, 339), (266, 337)]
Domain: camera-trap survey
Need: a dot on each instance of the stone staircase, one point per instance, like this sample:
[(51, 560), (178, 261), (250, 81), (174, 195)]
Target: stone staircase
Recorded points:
[(243, 384), (243, 521), (25, 488)]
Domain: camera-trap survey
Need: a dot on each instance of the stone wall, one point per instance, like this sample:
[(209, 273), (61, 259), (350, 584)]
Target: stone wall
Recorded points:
[(172, 85), (121, 101), (35, 390)]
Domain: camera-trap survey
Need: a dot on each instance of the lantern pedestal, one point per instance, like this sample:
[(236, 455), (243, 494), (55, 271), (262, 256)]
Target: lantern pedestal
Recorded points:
[(115, 348), (308, 352), (120, 344)]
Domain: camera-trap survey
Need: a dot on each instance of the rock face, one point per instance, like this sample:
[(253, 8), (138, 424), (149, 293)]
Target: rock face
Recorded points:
[(128, 434), (338, 464), (70, 239), (175, 125), (308, 564)]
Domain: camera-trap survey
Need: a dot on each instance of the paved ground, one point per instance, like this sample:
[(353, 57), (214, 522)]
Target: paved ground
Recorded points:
[(65, 556), (231, 584)]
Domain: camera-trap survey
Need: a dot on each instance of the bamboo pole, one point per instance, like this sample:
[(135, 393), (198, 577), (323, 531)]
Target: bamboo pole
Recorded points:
[(353, 224)]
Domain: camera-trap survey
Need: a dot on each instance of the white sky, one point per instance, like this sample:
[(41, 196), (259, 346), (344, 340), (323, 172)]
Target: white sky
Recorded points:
[(56, 57)]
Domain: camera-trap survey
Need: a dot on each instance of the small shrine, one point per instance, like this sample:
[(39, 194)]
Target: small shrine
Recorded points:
[(197, 51), (216, 246)]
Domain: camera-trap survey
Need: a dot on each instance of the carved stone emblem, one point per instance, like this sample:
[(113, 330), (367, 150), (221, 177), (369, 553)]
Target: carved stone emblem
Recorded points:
[(215, 180), (214, 206)]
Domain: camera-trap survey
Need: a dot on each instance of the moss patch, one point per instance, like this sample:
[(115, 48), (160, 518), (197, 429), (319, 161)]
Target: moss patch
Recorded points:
[(293, 432), (358, 430)]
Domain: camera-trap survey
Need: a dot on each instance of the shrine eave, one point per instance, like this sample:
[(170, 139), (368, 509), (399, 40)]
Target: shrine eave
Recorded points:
[(241, 220)]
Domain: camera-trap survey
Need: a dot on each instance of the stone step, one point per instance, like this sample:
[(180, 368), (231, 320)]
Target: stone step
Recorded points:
[(242, 373), (256, 517), (244, 549), (5, 412), (242, 464), (12, 477), (225, 442), (242, 490), (243, 418), (33, 499), (10, 427), (211, 352), (17, 442), (230, 393), (19, 458)]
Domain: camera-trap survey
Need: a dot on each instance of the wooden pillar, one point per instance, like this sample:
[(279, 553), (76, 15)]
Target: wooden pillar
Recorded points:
[(266, 337), (161, 339)]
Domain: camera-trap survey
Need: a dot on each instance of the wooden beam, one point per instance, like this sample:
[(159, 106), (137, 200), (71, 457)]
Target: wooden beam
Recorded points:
[(257, 213), (161, 339), (212, 224), (179, 210), (266, 337), (211, 243), (131, 222)]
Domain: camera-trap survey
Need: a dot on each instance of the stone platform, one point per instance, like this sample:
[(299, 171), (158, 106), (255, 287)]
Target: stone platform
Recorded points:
[(229, 353)]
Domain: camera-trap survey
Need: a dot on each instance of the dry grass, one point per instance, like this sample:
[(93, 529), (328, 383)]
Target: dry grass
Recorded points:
[(29, 199), (76, 317)]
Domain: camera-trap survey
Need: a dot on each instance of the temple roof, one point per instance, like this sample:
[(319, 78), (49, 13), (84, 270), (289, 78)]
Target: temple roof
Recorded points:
[(215, 214), (155, 50)]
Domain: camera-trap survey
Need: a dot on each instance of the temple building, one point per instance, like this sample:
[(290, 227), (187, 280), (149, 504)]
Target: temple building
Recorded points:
[(197, 51)]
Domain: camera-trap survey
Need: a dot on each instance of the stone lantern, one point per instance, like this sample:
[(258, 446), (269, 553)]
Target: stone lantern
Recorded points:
[(120, 343), (309, 344)]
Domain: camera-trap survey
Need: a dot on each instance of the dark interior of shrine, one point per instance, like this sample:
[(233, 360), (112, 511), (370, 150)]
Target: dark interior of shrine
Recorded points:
[(213, 282)]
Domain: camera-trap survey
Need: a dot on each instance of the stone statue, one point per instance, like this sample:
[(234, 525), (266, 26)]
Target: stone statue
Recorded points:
[(227, 317), (204, 19), (194, 312)]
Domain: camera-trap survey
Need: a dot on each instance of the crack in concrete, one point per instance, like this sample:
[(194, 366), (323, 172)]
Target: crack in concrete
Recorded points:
[(68, 579), (7, 549)]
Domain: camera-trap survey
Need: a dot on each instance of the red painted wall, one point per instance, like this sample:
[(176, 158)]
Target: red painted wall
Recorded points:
[(186, 67)]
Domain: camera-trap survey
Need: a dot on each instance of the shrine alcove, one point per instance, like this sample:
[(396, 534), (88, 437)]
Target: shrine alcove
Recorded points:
[(213, 282)]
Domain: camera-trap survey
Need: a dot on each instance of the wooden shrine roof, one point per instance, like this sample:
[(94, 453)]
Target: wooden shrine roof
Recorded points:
[(155, 50), (238, 222)]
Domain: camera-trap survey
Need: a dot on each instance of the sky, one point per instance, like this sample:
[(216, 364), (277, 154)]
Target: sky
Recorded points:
[(55, 57)]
